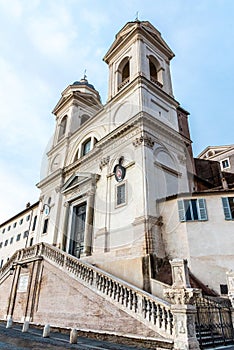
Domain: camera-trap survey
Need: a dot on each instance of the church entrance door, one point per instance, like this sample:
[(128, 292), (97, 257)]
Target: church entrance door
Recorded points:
[(76, 245)]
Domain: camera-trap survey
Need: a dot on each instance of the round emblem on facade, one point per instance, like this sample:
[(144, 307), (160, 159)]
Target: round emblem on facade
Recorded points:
[(119, 172)]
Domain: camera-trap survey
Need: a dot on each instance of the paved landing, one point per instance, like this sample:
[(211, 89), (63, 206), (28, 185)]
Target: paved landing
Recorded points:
[(14, 339)]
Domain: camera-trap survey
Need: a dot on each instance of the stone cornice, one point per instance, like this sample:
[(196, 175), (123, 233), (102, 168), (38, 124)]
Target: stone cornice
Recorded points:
[(56, 174), (155, 125)]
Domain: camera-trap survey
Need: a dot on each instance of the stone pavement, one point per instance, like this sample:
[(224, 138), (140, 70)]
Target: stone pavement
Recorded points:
[(14, 339)]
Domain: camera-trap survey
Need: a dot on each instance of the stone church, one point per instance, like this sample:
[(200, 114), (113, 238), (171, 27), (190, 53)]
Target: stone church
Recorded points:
[(130, 229)]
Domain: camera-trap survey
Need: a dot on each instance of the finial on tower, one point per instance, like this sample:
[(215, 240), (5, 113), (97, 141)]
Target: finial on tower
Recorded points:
[(137, 17), (85, 76)]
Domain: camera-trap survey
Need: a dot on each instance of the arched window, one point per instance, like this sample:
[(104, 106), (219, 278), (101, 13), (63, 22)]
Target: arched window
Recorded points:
[(155, 71), (84, 119), (123, 73), (62, 127), (86, 147)]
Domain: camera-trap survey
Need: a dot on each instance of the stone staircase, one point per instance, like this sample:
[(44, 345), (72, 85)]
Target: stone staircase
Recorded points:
[(151, 311)]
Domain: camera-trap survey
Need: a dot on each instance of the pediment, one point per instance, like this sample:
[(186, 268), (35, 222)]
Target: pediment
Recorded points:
[(143, 26), (212, 151), (76, 180)]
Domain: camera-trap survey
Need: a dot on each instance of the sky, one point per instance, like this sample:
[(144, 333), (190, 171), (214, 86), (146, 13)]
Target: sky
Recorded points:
[(45, 45)]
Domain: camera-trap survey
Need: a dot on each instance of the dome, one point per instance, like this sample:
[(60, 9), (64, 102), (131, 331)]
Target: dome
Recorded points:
[(84, 81)]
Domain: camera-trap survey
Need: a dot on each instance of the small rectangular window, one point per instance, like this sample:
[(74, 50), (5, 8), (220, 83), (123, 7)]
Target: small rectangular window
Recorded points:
[(1, 263), (1, 245), (27, 218), (31, 242), (18, 237), (34, 223), (223, 289), (3, 230), (21, 221), (9, 227), (192, 210), (228, 207), (15, 223), (121, 194), (6, 242), (25, 234), (225, 164), (11, 241), (45, 227)]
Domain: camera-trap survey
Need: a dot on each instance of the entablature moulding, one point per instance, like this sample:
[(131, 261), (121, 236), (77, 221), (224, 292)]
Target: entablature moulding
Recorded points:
[(56, 175)]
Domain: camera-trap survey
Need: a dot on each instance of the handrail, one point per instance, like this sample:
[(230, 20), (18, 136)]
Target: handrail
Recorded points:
[(155, 312)]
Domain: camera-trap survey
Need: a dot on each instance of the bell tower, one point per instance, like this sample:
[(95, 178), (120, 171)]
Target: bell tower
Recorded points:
[(139, 51)]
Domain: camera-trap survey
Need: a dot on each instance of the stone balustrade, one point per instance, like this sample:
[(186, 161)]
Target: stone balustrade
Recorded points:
[(154, 312)]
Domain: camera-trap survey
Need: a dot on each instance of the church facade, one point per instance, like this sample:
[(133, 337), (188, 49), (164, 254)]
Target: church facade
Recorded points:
[(122, 190)]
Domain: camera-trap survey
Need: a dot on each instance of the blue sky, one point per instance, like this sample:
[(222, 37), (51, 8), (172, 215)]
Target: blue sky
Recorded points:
[(46, 44)]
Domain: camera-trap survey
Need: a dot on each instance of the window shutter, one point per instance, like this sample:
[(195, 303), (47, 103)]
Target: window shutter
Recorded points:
[(202, 209), (226, 209), (181, 210)]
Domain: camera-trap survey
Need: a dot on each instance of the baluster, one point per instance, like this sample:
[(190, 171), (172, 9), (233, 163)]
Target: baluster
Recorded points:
[(118, 291), (149, 310), (154, 313), (144, 307), (121, 294), (165, 318), (126, 297), (115, 291), (170, 321), (160, 316)]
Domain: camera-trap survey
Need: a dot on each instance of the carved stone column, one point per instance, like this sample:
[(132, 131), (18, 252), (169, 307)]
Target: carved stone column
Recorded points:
[(183, 299)]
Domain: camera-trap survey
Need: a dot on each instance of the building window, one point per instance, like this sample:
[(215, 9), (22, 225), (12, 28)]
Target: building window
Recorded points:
[(86, 147), (9, 227), (31, 242), (27, 218), (123, 73), (1, 245), (1, 263), (155, 71), (45, 227), (121, 194), (3, 230), (34, 223), (228, 207), (25, 234), (11, 240), (62, 127), (18, 237), (223, 289), (225, 164), (6, 242), (15, 223), (21, 221), (84, 118), (192, 210)]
